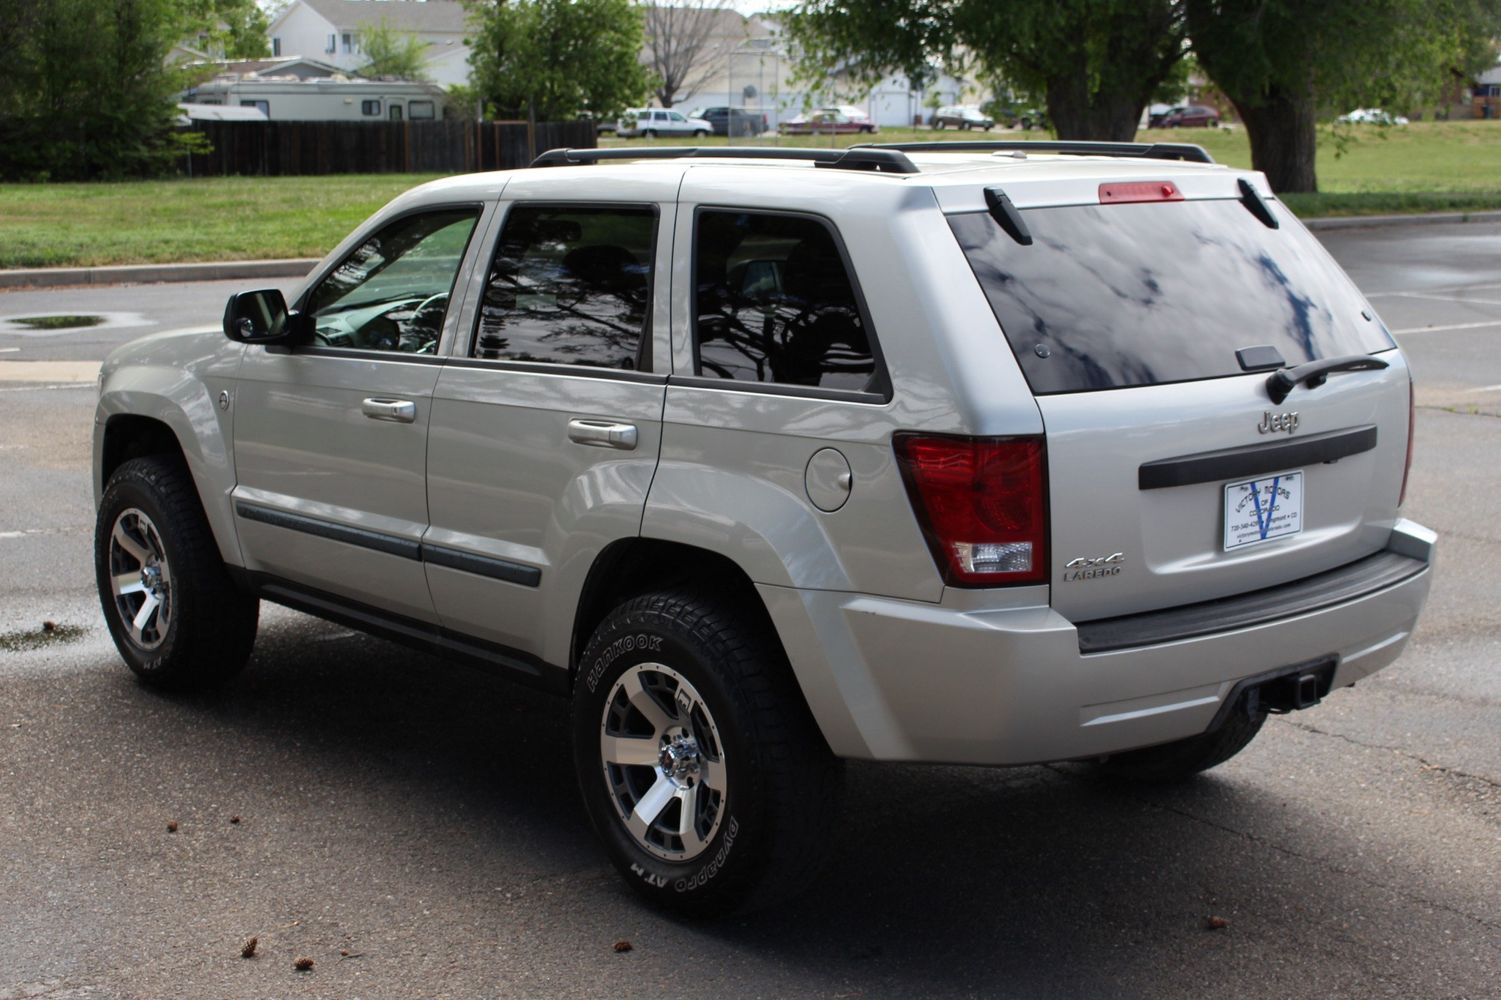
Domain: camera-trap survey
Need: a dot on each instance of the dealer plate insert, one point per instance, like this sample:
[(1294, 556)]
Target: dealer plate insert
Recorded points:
[(1260, 510)]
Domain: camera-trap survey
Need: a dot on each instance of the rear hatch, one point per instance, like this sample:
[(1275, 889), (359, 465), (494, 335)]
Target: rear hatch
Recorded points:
[(1147, 326)]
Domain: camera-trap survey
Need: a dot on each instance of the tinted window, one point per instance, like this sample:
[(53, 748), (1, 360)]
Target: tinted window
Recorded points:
[(774, 303), (569, 285), (1142, 294), (391, 293)]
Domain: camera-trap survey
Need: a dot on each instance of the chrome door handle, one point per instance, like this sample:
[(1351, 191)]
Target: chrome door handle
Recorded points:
[(401, 411), (603, 434)]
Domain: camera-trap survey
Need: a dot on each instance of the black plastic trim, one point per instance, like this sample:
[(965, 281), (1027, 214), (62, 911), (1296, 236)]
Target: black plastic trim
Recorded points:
[(468, 562), (874, 159), (1336, 586), (365, 354), (494, 658), (777, 389), (1143, 150), (363, 537), (1237, 463), (544, 368)]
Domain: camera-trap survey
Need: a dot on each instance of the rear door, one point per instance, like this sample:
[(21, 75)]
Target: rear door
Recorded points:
[(1147, 329)]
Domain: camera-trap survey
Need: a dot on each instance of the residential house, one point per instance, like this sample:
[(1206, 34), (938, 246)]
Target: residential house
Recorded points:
[(329, 30), (1485, 94)]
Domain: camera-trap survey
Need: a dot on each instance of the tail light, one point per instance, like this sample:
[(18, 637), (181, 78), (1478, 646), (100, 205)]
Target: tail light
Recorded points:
[(1412, 427), (982, 505)]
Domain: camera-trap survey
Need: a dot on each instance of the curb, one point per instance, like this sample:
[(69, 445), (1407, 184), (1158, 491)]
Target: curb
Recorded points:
[(133, 274), (1373, 221)]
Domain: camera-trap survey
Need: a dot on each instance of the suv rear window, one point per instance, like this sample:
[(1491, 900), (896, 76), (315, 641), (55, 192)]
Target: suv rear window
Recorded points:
[(1108, 297)]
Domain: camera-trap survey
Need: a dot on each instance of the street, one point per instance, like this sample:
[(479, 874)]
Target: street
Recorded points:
[(414, 827)]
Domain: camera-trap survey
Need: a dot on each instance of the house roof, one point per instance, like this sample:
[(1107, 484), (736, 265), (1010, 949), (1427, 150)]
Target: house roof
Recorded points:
[(297, 66), (421, 16)]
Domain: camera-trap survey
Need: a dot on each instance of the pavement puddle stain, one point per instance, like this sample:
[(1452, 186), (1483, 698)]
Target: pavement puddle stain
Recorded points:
[(40, 638), (58, 322)]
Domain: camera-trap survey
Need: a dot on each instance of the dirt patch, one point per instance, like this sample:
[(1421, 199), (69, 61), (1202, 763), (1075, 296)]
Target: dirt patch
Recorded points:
[(26, 640)]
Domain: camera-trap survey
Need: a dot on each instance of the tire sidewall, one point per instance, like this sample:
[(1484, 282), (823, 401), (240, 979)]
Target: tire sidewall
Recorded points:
[(733, 856), (131, 488)]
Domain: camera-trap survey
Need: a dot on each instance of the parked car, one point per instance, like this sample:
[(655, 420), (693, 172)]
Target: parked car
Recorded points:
[(1189, 116), (833, 454), (1014, 116), (1371, 116), (651, 122), (962, 117), (827, 121), (729, 121)]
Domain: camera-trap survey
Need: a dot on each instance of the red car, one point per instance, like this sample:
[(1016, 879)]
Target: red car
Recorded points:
[(826, 121), (1189, 116)]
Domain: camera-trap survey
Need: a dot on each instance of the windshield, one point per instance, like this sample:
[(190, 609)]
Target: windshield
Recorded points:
[(1113, 296)]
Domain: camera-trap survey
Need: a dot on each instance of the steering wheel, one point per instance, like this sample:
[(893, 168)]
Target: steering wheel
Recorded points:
[(424, 324)]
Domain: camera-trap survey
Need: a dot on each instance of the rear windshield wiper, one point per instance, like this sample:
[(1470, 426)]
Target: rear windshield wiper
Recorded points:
[(1316, 373)]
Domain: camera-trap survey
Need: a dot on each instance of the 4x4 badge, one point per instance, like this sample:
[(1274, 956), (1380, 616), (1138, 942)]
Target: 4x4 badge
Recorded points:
[(1091, 567)]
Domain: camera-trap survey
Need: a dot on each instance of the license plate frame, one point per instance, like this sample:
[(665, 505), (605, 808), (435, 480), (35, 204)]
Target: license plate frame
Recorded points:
[(1263, 510)]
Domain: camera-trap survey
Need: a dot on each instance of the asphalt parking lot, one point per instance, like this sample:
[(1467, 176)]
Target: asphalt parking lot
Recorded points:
[(413, 828)]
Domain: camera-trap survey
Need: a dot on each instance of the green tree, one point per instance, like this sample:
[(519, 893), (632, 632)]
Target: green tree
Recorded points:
[(1286, 63), (1097, 62), (393, 53), (557, 59), (84, 93)]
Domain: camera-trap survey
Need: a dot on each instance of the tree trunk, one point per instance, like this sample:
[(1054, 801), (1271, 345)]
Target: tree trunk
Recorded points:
[(1283, 140), (1079, 114)]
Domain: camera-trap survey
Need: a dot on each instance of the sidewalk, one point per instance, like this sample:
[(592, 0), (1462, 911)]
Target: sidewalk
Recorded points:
[(249, 270), (141, 274)]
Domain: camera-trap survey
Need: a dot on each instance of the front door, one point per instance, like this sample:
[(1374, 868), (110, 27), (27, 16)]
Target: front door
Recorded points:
[(331, 437), (546, 424)]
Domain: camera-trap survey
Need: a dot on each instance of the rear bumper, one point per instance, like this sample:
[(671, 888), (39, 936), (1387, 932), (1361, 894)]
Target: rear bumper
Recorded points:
[(904, 680)]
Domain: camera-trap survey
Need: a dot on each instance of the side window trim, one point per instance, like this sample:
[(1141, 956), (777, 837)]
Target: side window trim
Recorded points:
[(353, 242), (457, 290), (879, 385), (646, 361)]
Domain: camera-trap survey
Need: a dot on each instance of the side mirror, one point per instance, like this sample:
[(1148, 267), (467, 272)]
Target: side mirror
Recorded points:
[(259, 317)]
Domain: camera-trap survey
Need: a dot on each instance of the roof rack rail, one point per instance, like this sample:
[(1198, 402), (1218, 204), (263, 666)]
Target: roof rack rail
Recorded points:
[(1145, 150), (878, 159)]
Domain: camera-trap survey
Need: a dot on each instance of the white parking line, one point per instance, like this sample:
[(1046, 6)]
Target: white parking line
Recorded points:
[(1445, 298), (1485, 388), (1452, 326), (55, 385)]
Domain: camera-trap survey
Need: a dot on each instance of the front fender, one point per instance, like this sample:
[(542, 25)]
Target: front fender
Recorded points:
[(175, 380)]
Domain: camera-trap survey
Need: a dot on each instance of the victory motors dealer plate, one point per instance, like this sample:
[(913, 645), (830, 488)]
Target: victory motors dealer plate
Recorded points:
[(1260, 510)]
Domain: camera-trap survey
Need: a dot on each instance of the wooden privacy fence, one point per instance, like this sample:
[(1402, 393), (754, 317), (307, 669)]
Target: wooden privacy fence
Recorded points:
[(435, 147)]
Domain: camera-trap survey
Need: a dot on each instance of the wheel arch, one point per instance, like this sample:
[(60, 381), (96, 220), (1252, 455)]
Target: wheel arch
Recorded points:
[(137, 420), (632, 566)]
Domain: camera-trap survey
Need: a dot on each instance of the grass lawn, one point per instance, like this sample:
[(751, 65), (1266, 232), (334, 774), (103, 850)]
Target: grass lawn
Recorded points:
[(219, 218), (1423, 167)]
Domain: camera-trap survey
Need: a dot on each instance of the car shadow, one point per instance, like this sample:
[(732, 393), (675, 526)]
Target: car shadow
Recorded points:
[(1035, 881)]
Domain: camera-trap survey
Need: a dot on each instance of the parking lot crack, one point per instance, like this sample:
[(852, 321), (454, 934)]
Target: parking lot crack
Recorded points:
[(1423, 762), (1327, 864)]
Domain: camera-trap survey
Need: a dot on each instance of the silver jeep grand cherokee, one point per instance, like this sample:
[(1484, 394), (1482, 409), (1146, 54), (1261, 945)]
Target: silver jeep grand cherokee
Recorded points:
[(989, 453)]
